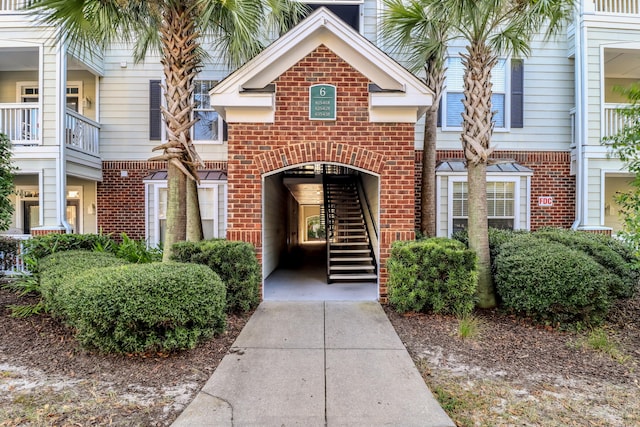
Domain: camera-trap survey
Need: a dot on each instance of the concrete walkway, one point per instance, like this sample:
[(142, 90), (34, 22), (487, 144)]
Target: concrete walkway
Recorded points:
[(317, 363)]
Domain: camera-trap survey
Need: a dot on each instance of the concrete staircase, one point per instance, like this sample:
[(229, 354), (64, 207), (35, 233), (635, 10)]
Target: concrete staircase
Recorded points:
[(350, 255)]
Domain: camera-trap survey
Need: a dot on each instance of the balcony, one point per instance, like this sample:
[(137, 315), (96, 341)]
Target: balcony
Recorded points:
[(81, 134), (20, 122), (12, 5), (612, 120), (617, 7)]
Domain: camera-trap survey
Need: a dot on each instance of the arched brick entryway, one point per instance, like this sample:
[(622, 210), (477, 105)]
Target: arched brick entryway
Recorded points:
[(384, 149)]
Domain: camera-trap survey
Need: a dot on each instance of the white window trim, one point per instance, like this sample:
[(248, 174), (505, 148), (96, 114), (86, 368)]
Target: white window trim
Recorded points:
[(157, 185), (507, 101), (490, 178), (220, 139), (34, 85)]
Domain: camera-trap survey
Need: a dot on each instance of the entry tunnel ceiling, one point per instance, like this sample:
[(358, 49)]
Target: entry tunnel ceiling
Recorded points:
[(306, 191)]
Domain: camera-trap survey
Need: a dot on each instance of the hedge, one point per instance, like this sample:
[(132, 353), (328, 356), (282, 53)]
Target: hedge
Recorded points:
[(236, 264), (437, 274), (60, 267), (616, 257), (138, 308), (551, 282)]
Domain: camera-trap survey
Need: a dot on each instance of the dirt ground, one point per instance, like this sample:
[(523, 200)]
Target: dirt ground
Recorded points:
[(510, 373)]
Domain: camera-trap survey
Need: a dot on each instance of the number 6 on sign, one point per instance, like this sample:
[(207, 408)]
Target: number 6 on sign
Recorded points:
[(322, 102)]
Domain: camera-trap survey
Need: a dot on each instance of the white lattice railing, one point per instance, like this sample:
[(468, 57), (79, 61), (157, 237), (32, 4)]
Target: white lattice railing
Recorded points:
[(82, 133), (12, 262), (612, 120), (19, 121), (617, 7), (13, 5)]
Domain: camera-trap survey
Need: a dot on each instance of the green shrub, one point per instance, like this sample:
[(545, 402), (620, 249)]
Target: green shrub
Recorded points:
[(551, 282), (436, 274), (137, 251), (39, 247), (497, 237), (235, 263), (612, 254), (61, 267), (137, 308)]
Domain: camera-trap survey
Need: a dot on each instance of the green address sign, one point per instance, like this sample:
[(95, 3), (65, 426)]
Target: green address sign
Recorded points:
[(322, 102)]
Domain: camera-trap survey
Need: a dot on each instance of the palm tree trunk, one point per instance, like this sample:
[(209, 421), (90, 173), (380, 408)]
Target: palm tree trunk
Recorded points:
[(428, 184), (180, 65), (194, 221), (176, 209), (478, 227), (476, 143)]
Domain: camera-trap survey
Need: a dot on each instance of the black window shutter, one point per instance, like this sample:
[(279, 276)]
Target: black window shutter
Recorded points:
[(439, 124), (517, 93), (155, 115)]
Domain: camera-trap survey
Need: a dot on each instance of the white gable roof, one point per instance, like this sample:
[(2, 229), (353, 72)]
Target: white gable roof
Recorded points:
[(402, 98)]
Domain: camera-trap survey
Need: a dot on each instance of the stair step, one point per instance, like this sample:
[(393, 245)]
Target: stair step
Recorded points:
[(351, 259), (358, 276), (349, 251), (349, 243), (352, 267)]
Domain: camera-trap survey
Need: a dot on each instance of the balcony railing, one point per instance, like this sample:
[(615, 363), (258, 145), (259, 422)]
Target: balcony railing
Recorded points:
[(13, 5), (82, 133), (612, 120), (617, 7), (12, 261), (20, 123)]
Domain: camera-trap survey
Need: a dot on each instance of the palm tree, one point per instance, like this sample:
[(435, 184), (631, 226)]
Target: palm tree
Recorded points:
[(491, 28), (175, 29), (421, 34)]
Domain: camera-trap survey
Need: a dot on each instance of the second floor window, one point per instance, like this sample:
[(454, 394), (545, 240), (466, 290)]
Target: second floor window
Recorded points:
[(209, 127), (452, 99)]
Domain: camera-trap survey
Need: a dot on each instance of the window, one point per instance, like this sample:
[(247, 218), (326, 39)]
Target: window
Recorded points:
[(507, 99), (212, 197), (347, 10), (501, 204), (209, 126)]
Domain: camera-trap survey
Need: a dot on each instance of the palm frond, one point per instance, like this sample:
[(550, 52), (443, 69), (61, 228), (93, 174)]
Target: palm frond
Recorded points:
[(85, 24)]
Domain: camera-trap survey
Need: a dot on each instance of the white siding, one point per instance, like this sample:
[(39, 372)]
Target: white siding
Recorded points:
[(442, 208), (548, 97), (597, 39), (124, 108)]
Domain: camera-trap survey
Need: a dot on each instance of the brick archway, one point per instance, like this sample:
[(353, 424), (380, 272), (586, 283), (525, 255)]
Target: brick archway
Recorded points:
[(320, 152)]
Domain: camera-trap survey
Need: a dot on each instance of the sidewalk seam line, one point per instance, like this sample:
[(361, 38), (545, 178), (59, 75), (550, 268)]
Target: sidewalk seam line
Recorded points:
[(324, 341)]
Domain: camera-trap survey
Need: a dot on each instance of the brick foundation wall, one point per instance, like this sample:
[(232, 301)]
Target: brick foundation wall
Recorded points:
[(551, 177), (381, 148), (46, 231), (121, 199)]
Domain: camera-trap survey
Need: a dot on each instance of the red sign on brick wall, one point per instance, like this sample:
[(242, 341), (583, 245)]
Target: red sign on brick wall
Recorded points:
[(545, 201)]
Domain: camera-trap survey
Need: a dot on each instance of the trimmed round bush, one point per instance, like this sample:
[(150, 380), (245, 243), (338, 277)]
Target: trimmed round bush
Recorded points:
[(61, 267), (138, 308), (551, 282), (612, 254), (236, 264), (437, 274)]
